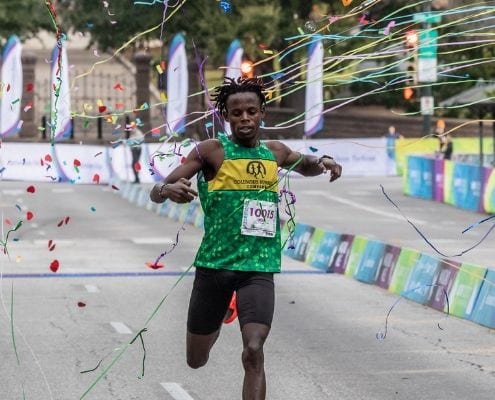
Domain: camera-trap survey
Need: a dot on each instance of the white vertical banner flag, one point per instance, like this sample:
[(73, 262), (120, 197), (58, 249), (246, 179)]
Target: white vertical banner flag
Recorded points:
[(313, 121), (60, 114), (233, 61), (177, 85), (11, 88)]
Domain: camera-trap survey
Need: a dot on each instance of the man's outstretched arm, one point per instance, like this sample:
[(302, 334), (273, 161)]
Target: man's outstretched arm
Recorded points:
[(307, 165), (177, 185)]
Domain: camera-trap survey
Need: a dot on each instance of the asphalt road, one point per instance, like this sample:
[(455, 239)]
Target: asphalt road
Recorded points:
[(323, 342)]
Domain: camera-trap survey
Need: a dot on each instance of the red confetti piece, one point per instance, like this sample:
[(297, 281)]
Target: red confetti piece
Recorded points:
[(137, 166), (29, 87), (183, 160), (48, 158), (29, 215), (31, 189), (102, 109), (41, 162), (8, 221), (119, 105), (50, 243), (118, 86), (77, 163), (115, 187), (96, 178), (63, 221), (153, 265), (54, 265), (81, 304), (52, 247)]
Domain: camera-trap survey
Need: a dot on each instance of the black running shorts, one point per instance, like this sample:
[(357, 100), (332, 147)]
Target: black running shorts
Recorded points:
[(212, 292)]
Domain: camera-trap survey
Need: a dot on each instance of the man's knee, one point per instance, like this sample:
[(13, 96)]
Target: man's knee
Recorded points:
[(252, 355), (195, 362)]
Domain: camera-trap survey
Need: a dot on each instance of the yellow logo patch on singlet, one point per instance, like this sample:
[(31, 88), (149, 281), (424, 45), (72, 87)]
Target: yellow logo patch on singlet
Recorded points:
[(245, 174)]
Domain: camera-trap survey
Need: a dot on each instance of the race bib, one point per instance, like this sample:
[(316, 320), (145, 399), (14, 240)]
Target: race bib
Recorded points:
[(259, 218)]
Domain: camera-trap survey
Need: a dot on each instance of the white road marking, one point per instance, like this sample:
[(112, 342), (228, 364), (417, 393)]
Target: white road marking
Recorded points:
[(62, 190), (121, 328), (13, 192), (92, 288), (176, 391), (360, 206), (152, 240)]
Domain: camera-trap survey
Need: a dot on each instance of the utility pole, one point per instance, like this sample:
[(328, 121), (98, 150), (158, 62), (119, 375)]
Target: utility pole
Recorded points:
[(426, 90)]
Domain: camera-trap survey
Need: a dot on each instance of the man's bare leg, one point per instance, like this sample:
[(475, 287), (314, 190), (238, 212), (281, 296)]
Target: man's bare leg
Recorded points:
[(198, 348), (253, 338)]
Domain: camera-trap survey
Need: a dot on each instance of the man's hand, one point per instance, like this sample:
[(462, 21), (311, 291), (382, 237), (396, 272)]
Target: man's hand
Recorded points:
[(329, 164), (180, 191)]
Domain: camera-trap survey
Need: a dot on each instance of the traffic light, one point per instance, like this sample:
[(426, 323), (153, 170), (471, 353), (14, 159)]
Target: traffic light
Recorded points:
[(412, 39), (411, 73), (408, 93), (247, 69)]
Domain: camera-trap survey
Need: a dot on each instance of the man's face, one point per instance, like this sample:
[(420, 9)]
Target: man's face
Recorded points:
[(244, 114)]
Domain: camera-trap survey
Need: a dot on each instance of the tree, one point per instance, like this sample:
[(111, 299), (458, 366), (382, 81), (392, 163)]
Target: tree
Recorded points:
[(23, 18)]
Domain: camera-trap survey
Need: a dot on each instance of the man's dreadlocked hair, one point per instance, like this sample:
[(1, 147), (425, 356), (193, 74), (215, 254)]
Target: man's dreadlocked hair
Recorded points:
[(232, 86)]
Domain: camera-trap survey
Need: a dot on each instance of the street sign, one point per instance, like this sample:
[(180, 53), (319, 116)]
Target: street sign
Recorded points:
[(428, 43), (427, 105), (427, 70), (427, 17)]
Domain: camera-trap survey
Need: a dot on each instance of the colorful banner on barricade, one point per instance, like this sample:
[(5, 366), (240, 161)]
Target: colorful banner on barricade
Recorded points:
[(60, 112), (467, 186), (488, 203), (442, 284), (387, 265), (371, 260), (448, 182), (322, 249), (438, 179), (484, 309), (465, 290), (301, 240), (403, 268), (177, 85), (357, 248), (339, 262), (419, 286), (11, 87), (461, 185), (420, 177)]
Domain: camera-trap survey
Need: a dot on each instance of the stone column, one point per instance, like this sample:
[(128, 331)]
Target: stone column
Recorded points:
[(142, 63), (29, 127)]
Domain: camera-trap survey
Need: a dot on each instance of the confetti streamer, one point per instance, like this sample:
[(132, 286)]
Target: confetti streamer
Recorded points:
[(426, 239), (383, 334)]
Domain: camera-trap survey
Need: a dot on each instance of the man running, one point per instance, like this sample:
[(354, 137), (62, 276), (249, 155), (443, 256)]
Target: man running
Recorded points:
[(241, 247)]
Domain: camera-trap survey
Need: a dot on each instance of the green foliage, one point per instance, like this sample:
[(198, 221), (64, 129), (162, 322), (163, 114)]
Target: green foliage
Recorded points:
[(22, 18)]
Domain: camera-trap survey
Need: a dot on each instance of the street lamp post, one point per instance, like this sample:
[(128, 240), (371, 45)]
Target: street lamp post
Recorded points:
[(426, 90)]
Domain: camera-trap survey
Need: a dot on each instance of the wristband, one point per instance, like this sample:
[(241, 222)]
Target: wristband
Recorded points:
[(160, 191), (324, 156)]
